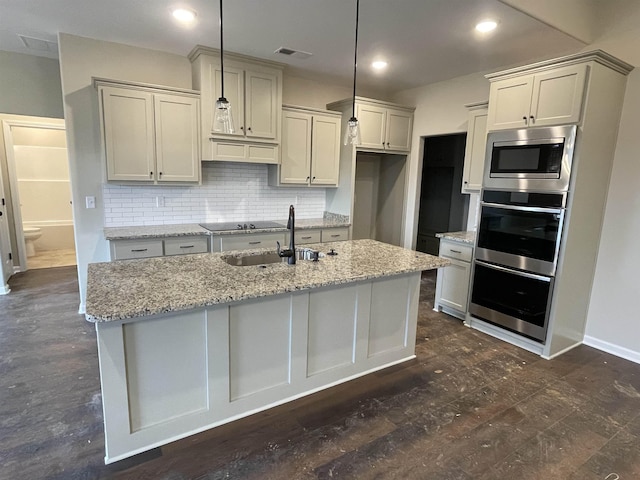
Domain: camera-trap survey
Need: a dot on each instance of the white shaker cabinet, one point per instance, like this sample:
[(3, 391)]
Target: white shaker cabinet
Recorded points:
[(149, 135), (546, 98), (310, 148), (254, 90), (452, 284), (474, 153), (384, 126)]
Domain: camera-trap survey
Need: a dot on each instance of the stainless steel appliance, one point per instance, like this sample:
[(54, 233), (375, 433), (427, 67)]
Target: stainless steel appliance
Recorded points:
[(531, 159), (522, 211), (226, 226)]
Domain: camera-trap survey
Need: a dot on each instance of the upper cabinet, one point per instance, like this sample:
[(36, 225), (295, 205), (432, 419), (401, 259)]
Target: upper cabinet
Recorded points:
[(254, 90), (384, 127), (310, 148), (150, 134), (552, 96), (475, 148)]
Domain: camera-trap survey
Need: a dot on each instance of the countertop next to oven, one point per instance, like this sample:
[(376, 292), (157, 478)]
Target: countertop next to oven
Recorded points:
[(179, 230), (462, 237)]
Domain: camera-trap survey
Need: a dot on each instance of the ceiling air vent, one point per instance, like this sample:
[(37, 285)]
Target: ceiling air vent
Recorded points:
[(38, 44), (289, 52)]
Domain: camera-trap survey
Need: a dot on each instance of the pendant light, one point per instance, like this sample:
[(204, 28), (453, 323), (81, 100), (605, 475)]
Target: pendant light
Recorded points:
[(222, 117), (352, 135)]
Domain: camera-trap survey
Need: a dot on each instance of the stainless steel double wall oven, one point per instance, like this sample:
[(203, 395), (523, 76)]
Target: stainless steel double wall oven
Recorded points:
[(522, 211)]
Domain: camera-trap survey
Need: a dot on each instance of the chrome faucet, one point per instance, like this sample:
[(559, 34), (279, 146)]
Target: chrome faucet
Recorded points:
[(290, 253)]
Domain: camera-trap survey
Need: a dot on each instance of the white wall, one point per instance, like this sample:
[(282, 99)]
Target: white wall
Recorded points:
[(613, 317), (30, 85), (440, 109), (80, 60)]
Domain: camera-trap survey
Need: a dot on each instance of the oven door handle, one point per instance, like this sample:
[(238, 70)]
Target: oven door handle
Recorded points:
[(523, 209), (514, 272)]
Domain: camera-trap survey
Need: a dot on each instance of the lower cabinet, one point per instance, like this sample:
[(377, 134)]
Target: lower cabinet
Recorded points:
[(248, 241), (158, 247), (452, 285)]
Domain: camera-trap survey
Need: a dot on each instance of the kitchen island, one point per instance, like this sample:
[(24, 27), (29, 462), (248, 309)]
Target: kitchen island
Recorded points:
[(190, 342)]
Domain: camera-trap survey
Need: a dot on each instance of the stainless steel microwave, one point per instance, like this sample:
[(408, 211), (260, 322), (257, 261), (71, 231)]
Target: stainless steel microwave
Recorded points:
[(530, 159)]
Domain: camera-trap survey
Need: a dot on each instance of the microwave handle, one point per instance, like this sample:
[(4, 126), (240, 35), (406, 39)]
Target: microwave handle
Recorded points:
[(514, 272), (523, 209)]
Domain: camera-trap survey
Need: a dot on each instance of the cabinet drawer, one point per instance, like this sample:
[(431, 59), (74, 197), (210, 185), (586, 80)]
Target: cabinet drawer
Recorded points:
[(335, 234), (185, 245), (308, 236), (126, 249), (456, 250), (248, 241)]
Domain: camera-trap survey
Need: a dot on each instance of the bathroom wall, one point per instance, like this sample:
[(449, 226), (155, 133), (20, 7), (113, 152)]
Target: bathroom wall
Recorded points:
[(42, 173), (229, 192)]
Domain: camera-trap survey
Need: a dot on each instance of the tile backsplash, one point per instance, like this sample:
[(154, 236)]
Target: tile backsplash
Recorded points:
[(229, 192)]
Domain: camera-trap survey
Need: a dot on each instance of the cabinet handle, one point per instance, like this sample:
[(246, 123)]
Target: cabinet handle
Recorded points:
[(455, 251), (138, 249), (307, 179), (525, 120), (151, 174), (160, 173), (306, 238), (335, 235), (186, 246), (533, 120), (255, 243)]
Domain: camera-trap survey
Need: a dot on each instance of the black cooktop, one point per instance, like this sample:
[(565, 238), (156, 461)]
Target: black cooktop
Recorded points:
[(226, 226)]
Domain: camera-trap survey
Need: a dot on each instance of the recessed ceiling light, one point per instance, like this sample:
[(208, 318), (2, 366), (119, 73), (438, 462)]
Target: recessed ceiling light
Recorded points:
[(379, 65), (184, 15), (486, 26)]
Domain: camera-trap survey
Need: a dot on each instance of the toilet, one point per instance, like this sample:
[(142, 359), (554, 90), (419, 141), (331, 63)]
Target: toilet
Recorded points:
[(31, 234)]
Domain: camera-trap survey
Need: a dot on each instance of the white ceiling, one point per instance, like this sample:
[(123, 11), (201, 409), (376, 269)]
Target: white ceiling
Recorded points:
[(424, 41)]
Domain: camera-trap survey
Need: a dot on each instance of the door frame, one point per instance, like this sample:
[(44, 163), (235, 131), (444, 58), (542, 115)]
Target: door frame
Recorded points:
[(4, 274), (13, 181)]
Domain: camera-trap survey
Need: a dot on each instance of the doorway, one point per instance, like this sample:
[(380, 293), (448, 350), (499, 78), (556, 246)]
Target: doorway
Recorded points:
[(38, 167), (443, 208), (379, 193)]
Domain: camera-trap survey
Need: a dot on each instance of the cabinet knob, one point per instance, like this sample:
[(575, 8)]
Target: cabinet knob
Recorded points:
[(388, 144), (308, 179), (151, 174), (248, 129), (241, 128), (160, 173), (313, 178), (465, 182), (532, 119)]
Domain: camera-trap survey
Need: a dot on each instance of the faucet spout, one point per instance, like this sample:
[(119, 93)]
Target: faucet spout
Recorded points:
[(291, 225)]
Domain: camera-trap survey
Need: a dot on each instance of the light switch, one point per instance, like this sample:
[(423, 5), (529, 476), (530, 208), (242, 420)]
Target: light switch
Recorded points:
[(90, 202)]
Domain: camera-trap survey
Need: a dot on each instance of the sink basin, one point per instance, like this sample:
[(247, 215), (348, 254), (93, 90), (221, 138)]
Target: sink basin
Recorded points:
[(266, 258), (250, 260)]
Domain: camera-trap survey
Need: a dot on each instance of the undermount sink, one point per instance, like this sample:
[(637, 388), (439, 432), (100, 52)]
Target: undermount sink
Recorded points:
[(249, 260)]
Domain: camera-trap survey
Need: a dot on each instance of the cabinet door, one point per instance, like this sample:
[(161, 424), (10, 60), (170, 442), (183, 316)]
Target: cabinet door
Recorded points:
[(234, 92), (557, 96), (509, 102), (128, 130), (177, 126), (261, 96), (398, 130), (475, 151), (295, 162), (455, 285), (325, 150), (372, 123)]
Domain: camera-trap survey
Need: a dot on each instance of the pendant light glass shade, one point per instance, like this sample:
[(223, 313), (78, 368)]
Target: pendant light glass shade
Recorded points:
[(352, 135), (222, 117)]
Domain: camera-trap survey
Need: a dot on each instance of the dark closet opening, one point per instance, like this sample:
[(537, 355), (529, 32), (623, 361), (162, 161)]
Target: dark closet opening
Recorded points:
[(443, 208)]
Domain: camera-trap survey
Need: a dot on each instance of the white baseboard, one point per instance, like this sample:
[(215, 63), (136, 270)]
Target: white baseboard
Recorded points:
[(82, 309), (4, 289), (613, 349)]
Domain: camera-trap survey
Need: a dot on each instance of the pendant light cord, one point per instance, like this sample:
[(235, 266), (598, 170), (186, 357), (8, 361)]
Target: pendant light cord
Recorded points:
[(355, 60), (222, 56)]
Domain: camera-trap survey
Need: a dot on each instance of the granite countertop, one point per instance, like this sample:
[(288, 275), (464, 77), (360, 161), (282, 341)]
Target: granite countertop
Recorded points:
[(138, 288), (462, 237), (154, 231), (158, 231)]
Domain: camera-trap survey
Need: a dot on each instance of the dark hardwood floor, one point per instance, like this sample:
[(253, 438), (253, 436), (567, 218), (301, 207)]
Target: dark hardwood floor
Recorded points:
[(468, 407)]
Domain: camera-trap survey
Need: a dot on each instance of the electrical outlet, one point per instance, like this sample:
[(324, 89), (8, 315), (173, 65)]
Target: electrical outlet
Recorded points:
[(159, 201), (90, 202)]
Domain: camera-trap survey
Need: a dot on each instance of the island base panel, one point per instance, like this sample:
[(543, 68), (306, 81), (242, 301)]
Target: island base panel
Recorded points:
[(169, 376)]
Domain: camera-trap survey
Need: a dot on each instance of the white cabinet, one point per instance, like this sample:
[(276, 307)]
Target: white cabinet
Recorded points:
[(384, 127), (474, 153), (548, 97), (149, 135), (248, 241), (158, 247), (254, 90), (452, 285), (310, 148)]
